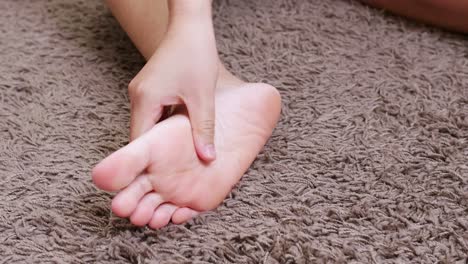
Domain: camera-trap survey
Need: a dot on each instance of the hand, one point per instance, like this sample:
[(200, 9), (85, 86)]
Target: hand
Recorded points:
[(183, 70)]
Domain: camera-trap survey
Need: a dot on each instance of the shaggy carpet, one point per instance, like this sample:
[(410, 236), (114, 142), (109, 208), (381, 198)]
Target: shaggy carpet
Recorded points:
[(367, 165)]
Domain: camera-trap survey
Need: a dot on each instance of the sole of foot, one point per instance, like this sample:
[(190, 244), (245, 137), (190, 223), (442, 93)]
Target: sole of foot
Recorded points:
[(159, 177)]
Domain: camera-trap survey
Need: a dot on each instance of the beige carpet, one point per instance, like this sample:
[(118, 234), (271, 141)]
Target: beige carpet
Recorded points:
[(368, 164)]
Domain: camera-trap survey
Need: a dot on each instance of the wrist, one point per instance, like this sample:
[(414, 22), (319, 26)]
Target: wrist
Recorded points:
[(189, 11)]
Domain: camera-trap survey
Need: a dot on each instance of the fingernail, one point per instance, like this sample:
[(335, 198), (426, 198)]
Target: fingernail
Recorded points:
[(210, 151)]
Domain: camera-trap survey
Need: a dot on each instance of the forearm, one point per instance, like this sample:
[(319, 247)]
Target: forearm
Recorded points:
[(146, 21)]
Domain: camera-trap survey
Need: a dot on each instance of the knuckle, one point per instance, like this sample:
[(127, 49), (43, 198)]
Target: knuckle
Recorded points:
[(206, 128), (136, 89)]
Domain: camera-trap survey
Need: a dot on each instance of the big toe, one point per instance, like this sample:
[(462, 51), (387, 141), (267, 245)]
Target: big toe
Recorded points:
[(120, 168)]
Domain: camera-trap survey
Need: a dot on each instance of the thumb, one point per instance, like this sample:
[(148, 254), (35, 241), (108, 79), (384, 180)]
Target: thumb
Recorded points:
[(202, 119), (143, 117)]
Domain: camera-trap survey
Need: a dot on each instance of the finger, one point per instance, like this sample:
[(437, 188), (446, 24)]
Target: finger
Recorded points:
[(125, 202), (202, 119), (120, 168), (144, 116)]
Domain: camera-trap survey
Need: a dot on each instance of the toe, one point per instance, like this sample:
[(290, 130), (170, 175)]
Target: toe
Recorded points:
[(125, 202), (145, 209), (162, 215), (121, 168), (183, 214)]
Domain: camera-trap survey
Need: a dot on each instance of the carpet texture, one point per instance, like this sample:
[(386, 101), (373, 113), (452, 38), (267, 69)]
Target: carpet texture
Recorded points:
[(367, 165)]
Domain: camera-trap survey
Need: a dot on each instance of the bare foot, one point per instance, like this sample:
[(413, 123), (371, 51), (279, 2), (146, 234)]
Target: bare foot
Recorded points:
[(159, 175)]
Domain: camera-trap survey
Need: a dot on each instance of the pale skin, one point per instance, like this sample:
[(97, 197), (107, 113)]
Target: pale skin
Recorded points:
[(167, 173), (175, 73), (158, 175)]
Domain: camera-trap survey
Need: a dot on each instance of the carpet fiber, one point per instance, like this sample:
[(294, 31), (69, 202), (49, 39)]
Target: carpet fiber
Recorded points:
[(368, 163)]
